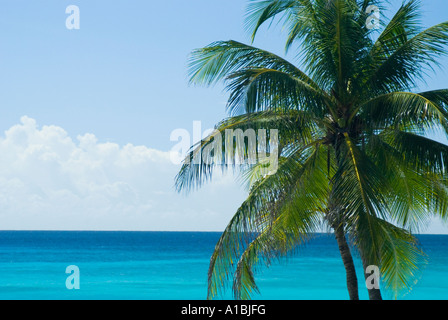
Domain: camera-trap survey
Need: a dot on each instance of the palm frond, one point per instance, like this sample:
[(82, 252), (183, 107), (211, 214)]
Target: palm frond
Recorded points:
[(260, 11), (218, 60), (257, 89), (403, 109), (262, 207), (294, 129), (399, 67), (399, 257)]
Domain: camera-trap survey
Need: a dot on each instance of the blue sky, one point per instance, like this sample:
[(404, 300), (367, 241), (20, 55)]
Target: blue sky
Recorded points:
[(85, 112), (123, 74)]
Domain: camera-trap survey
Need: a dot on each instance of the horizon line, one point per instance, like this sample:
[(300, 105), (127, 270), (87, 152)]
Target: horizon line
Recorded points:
[(164, 231)]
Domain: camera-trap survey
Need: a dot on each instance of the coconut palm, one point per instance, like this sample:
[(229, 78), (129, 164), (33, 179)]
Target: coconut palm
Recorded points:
[(353, 151)]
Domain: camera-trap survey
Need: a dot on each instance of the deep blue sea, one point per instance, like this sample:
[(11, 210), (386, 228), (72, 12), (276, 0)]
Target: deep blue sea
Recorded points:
[(173, 266)]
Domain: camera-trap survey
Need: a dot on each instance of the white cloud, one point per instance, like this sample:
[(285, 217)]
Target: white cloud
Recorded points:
[(50, 181)]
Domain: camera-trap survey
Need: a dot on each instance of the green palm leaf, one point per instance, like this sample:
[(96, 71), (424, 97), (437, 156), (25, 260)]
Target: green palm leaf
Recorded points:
[(352, 152)]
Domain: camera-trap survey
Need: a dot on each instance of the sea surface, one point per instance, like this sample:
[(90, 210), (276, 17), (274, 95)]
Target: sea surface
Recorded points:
[(173, 266)]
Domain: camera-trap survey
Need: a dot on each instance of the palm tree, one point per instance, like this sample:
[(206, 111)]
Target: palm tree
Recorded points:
[(354, 155)]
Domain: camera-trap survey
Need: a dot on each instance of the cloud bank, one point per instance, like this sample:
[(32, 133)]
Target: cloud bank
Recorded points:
[(51, 181)]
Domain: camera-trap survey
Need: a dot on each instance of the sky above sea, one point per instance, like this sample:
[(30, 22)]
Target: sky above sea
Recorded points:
[(87, 114)]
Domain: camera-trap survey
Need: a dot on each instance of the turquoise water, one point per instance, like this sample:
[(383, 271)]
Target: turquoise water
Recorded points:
[(173, 266)]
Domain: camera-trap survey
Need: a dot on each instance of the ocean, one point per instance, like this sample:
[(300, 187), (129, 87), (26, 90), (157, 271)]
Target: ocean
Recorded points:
[(173, 266)]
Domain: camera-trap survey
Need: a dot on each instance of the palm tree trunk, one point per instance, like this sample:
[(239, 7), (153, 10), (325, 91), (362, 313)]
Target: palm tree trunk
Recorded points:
[(344, 249), (374, 294)]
